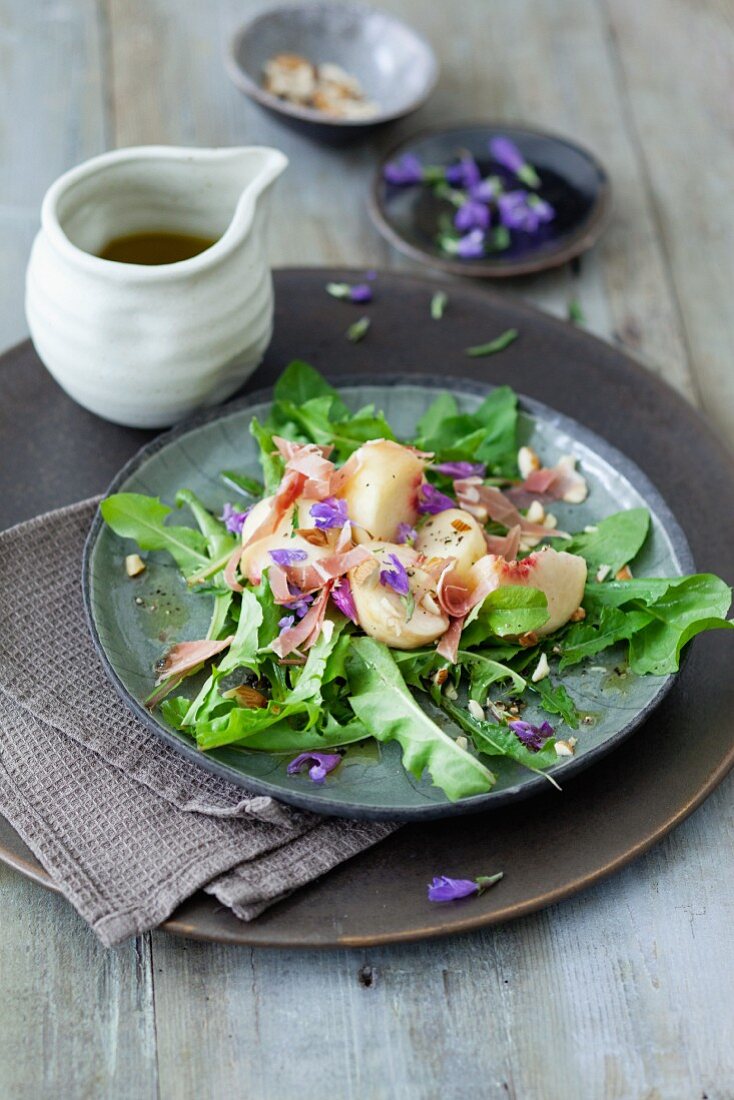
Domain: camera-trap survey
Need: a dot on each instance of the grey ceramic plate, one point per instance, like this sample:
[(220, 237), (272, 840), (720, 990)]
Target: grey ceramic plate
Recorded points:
[(130, 635)]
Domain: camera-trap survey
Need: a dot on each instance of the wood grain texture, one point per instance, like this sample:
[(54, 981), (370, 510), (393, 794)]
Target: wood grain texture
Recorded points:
[(623, 992)]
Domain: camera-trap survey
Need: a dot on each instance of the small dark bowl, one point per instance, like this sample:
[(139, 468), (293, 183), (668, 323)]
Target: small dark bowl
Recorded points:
[(572, 180), (395, 66)]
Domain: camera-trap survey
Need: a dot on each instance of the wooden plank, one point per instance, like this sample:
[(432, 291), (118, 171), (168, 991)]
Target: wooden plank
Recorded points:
[(681, 112), (78, 1019)]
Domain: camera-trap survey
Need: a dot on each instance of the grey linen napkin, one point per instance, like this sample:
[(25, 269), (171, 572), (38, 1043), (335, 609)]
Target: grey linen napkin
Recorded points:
[(126, 827)]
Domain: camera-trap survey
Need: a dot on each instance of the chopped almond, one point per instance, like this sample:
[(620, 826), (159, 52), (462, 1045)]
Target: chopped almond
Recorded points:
[(528, 640), (578, 615), (624, 574), (134, 565), (246, 696)]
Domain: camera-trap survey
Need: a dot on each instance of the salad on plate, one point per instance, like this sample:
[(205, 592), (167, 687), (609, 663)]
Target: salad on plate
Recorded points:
[(369, 585)]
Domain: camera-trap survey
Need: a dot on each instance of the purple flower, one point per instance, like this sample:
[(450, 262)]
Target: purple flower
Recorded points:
[(360, 292), (520, 210), (323, 763), (341, 594), (444, 888), (485, 190), (433, 501), (532, 737), (506, 153), (406, 533), (233, 520), (300, 603), (328, 513), (465, 174), (404, 171), (287, 557), (286, 622), (471, 247), (472, 215), (396, 578), (461, 469)]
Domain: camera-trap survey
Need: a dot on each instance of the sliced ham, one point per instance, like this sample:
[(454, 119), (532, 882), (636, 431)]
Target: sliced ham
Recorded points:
[(487, 502), (289, 490), (230, 570), (288, 449), (279, 584), (559, 482), (182, 659), (305, 632), (457, 597), (448, 645), (505, 546)]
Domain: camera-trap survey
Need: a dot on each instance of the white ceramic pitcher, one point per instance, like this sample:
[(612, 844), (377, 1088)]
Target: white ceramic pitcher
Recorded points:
[(146, 345)]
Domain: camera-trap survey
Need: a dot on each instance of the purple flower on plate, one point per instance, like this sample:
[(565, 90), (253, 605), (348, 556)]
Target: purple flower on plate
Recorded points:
[(472, 215), (486, 190), (342, 596), (404, 171), (465, 173), (532, 737), (300, 603), (233, 520), (433, 501), (328, 513), (321, 763), (520, 210), (286, 623), (396, 578), (471, 246), (444, 888), (461, 469), (357, 292), (406, 533), (287, 557), (506, 153)]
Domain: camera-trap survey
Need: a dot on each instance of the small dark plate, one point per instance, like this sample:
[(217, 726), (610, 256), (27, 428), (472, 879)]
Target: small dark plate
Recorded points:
[(572, 180), (396, 67)]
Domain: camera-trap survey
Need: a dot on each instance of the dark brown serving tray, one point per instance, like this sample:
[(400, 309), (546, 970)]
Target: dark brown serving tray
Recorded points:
[(52, 452)]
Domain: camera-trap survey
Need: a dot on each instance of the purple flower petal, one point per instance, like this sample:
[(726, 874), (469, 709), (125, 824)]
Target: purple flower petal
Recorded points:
[(533, 737), (520, 210), (341, 594), (321, 764), (360, 292), (287, 557), (286, 622), (300, 603), (396, 578), (328, 513), (233, 520), (506, 153), (404, 171), (471, 247), (461, 469), (465, 174), (433, 501), (406, 533), (444, 888), (486, 190), (472, 215)]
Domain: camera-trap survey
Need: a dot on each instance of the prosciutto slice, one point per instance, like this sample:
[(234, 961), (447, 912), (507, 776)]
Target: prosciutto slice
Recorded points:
[(505, 546), (230, 570), (487, 502), (448, 646), (180, 660), (559, 482), (289, 490), (457, 597), (305, 632)]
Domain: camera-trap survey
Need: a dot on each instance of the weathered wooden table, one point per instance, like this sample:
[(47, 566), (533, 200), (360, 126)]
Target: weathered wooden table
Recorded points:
[(624, 991)]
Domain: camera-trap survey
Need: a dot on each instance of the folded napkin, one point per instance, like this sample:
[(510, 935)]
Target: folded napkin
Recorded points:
[(125, 826)]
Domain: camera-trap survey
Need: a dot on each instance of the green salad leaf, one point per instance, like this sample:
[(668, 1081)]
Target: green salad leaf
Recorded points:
[(383, 702), (615, 541), (507, 611), (142, 518), (497, 740)]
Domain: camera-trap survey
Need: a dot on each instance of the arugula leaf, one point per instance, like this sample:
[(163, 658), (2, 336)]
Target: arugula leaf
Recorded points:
[(484, 672), (509, 610), (616, 540), (300, 382), (271, 462), (489, 434), (250, 486), (690, 606), (587, 638), (496, 740), (645, 590), (219, 540), (243, 651), (315, 418), (498, 414), (442, 409), (383, 702), (142, 518), (554, 699)]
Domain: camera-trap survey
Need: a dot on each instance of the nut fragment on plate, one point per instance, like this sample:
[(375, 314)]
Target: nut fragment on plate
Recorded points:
[(325, 87), (134, 565)]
